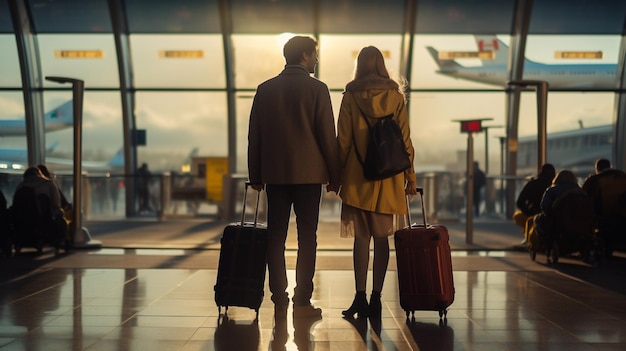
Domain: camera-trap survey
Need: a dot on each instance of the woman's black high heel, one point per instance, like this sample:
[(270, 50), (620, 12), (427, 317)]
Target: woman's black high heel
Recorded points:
[(359, 306), (375, 306)]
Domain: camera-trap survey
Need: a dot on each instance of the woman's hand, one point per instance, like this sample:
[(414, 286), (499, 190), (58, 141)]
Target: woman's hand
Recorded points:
[(411, 188)]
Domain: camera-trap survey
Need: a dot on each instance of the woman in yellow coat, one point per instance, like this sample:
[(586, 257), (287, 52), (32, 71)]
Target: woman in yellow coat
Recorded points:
[(371, 209)]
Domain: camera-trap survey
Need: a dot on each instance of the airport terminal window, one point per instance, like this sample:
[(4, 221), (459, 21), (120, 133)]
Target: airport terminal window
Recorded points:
[(102, 129), (166, 16), (582, 61), (258, 57), (12, 110), (178, 122), (464, 17), (438, 140), (439, 62), (577, 17), (360, 17), (6, 25), (178, 61), (10, 76), (70, 16), (244, 105), (264, 17), (567, 111), (89, 57), (338, 55)]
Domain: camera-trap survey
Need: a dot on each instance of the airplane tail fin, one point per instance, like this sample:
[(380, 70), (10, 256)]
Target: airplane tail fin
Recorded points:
[(444, 65), (60, 116), (52, 146), (497, 46), (118, 159)]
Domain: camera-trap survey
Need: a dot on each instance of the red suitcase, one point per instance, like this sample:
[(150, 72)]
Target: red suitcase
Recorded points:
[(424, 267)]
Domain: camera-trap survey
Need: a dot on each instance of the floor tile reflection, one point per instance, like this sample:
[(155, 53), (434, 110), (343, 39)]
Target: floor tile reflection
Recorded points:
[(174, 309)]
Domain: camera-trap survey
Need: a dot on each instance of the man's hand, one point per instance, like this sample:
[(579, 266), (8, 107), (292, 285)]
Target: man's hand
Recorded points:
[(257, 187)]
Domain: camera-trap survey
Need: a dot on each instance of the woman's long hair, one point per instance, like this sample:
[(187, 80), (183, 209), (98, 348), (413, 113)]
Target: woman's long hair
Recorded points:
[(370, 62)]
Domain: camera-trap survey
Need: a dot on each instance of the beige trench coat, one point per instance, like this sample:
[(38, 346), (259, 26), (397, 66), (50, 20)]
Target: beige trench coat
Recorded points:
[(375, 97)]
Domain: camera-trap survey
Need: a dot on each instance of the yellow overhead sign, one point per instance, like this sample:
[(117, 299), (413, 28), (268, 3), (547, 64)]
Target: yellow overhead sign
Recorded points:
[(578, 54), (78, 54), (181, 53), (451, 55)]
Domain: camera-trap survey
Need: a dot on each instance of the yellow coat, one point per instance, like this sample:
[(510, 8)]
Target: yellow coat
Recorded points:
[(373, 97)]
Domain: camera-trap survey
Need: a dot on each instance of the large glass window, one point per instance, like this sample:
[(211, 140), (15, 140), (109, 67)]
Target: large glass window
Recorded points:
[(258, 58), (574, 62), (578, 17), (177, 123), (12, 132), (10, 68), (460, 62), (89, 57), (437, 138), (101, 132), (6, 25), (338, 54), (464, 16), (69, 16), (576, 122), (166, 16), (244, 105), (178, 61)]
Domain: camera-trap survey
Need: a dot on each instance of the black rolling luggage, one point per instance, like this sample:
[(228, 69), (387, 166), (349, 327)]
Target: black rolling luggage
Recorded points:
[(242, 264)]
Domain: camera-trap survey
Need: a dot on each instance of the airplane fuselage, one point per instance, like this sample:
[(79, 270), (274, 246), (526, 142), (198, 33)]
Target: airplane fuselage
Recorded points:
[(558, 76), (18, 127)]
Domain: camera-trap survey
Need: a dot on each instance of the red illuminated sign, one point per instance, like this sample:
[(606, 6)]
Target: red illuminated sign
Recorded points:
[(471, 126)]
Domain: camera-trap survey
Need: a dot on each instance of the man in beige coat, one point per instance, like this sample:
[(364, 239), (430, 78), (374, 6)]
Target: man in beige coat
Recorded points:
[(292, 151)]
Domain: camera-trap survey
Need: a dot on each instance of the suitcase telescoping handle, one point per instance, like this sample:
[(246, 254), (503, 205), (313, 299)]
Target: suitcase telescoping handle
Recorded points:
[(408, 209), (256, 209)]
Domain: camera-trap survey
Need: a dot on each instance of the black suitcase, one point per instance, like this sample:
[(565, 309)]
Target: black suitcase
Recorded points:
[(242, 263)]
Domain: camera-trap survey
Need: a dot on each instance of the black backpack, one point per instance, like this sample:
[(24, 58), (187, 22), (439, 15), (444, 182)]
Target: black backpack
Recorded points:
[(386, 153)]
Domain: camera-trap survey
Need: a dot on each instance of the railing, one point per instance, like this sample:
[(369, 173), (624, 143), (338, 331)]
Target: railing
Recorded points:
[(183, 196)]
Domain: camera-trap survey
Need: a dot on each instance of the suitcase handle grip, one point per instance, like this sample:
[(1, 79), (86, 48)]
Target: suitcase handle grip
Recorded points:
[(420, 190), (256, 210)]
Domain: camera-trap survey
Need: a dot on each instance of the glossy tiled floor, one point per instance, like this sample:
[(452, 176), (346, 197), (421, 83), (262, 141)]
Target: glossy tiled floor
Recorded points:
[(141, 299)]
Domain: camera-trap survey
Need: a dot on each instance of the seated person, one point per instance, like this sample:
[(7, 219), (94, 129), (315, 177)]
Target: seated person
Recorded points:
[(65, 204), (604, 180), (529, 199), (37, 206), (567, 214), (607, 188)]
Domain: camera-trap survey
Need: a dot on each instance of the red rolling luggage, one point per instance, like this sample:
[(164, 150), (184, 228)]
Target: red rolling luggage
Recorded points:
[(424, 267), (243, 258)]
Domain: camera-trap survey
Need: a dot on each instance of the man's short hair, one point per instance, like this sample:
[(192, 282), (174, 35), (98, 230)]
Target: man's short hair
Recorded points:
[(297, 46), (548, 169), (602, 164)]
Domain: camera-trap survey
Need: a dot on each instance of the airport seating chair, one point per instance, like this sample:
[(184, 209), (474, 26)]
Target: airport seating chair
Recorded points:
[(572, 228)]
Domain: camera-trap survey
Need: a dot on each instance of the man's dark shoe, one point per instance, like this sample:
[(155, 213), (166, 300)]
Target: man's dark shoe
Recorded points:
[(306, 311)]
